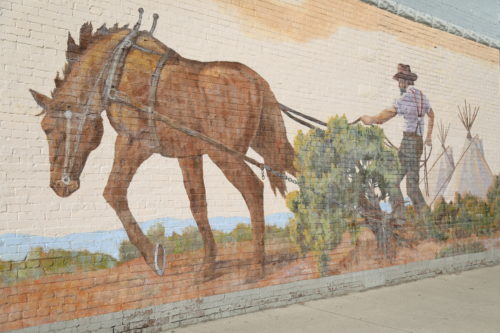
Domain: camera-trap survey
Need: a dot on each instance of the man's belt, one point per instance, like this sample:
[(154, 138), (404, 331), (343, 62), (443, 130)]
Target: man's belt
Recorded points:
[(412, 134)]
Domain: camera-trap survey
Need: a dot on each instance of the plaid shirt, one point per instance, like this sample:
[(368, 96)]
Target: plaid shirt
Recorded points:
[(413, 106)]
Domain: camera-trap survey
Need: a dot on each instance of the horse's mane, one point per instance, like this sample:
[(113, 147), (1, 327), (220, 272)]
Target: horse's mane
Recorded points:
[(75, 51)]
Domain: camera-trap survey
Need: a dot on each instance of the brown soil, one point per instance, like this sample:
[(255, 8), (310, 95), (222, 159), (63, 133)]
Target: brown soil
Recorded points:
[(133, 285)]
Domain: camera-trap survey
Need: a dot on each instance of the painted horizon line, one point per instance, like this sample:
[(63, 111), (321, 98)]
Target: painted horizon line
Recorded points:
[(17, 246)]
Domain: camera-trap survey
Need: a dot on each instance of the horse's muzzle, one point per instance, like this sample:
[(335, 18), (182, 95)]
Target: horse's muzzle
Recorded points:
[(65, 190)]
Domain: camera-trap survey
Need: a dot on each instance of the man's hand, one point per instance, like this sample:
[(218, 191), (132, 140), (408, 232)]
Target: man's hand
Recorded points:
[(428, 141)]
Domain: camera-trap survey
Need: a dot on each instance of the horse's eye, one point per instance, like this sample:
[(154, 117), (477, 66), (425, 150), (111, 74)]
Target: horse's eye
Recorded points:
[(48, 130)]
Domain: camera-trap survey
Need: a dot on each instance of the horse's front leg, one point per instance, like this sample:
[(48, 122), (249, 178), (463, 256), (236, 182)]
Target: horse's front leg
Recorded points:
[(192, 171), (129, 155)]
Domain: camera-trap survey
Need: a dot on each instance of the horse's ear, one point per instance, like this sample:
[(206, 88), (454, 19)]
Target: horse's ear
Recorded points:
[(40, 99)]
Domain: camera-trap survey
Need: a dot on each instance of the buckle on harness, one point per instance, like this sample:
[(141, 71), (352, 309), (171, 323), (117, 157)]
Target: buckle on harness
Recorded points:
[(117, 96)]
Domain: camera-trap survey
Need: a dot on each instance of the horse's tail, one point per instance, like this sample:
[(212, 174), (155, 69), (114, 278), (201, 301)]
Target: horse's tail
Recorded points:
[(272, 144)]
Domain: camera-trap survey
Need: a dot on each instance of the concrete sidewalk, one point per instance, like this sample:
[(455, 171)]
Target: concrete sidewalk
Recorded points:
[(465, 302)]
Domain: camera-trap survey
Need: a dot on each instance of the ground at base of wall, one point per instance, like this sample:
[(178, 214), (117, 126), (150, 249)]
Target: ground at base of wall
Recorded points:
[(464, 302), (133, 285)]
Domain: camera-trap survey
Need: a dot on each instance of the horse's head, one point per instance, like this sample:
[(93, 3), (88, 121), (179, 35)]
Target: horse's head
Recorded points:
[(72, 120), (71, 134), (72, 117)]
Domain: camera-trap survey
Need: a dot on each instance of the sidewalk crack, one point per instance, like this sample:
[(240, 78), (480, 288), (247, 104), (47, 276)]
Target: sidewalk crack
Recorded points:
[(355, 318)]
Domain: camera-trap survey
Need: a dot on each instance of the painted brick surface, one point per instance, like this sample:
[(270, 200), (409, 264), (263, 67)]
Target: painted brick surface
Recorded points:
[(80, 262)]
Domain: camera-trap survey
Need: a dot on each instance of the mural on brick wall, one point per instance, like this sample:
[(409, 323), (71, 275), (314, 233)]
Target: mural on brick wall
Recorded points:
[(160, 102), (356, 201)]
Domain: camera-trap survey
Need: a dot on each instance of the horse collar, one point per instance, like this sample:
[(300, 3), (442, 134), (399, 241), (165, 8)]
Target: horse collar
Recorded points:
[(113, 66), (112, 95)]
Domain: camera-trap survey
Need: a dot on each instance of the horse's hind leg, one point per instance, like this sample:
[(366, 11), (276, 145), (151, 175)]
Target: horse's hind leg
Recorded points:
[(252, 190), (192, 171), (129, 155)]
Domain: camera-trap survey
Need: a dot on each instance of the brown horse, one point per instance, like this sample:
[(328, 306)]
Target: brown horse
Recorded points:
[(225, 101)]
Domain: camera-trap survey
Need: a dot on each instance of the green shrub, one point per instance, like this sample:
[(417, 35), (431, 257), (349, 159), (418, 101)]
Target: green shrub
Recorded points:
[(344, 174), (39, 263), (458, 249), (242, 232), (467, 215), (190, 239), (494, 201)]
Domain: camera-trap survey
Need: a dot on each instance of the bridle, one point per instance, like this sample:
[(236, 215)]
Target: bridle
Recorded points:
[(113, 67), (110, 71), (68, 114)]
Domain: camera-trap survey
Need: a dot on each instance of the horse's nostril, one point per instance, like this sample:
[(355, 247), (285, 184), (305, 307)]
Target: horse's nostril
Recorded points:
[(64, 190), (73, 185)]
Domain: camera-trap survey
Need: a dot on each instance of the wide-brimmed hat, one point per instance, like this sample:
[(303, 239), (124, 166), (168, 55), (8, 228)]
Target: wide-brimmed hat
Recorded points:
[(404, 72)]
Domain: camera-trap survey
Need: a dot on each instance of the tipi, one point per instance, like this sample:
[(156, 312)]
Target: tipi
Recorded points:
[(440, 172), (472, 173)]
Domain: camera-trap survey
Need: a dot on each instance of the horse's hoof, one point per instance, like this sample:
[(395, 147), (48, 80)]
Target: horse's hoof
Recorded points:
[(160, 271)]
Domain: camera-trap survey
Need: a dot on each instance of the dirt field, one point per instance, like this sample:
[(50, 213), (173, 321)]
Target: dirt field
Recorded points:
[(133, 285)]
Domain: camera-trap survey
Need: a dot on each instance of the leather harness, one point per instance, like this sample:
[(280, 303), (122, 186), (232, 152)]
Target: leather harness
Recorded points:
[(112, 69)]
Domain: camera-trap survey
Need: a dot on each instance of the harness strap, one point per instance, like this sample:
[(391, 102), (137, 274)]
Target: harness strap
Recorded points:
[(67, 146), (145, 50), (420, 113), (111, 67), (155, 78), (117, 61)]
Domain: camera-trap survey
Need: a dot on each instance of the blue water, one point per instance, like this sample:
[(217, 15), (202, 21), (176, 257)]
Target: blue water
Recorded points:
[(17, 246)]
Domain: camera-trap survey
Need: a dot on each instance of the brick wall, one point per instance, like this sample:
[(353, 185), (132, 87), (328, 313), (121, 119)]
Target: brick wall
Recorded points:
[(323, 58)]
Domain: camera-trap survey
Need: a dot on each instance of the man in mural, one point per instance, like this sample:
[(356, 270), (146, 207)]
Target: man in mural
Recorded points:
[(413, 105)]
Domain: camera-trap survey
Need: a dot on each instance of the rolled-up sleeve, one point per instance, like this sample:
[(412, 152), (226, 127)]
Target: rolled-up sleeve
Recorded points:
[(427, 105)]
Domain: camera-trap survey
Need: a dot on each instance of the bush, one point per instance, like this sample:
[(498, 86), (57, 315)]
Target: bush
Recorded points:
[(494, 200), (344, 174), (458, 249), (467, 215), (39, 263), (190, 239), (242, 232)]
